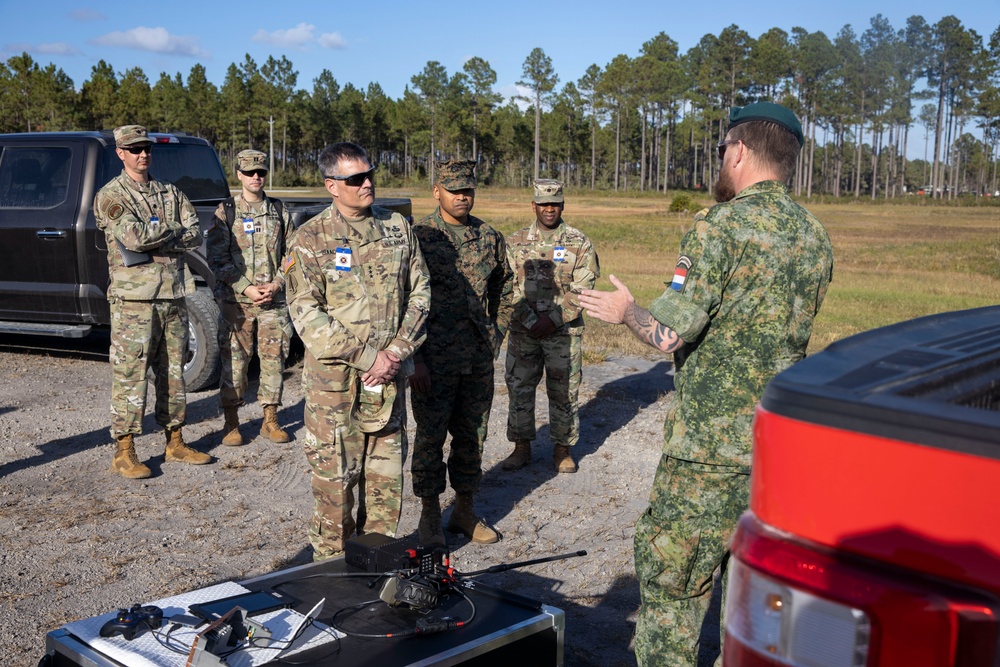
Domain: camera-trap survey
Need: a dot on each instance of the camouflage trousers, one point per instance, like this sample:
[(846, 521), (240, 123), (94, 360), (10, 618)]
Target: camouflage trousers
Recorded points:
[(244, 326), (144, 335), (681, 543), (346, 461), (561, 357), (458, 404)]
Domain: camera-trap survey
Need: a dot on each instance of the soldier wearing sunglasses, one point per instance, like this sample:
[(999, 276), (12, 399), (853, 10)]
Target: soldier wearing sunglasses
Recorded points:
[(358, 294), (246, 243), (148, 225)]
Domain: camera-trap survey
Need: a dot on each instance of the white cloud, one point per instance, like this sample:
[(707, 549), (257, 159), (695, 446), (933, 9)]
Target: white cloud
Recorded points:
[(332, 40), (157, 40), (86, 14), (296, 37), (52, 49), (514, 91), (300, 37)]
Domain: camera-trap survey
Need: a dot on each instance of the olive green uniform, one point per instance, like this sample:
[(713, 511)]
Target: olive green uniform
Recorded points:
[(749, 281)]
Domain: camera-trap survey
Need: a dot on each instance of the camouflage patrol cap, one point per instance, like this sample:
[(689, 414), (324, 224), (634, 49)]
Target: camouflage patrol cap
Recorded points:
[(548, 191), (455, 175), (774, 113), (130, 135), (373, 406), (250, 160)]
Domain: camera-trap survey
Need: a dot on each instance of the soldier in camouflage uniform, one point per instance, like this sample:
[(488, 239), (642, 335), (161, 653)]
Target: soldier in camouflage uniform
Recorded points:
[(749, 281), (471, 287), (246, 243), (358, 294), (148, 226), (553, 263)]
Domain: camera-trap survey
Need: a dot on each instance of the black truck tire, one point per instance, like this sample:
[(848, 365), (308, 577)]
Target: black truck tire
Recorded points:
[(201, 363)]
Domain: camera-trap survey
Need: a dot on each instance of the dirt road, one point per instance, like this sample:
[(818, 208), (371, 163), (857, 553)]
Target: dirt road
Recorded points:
[(79, 541)]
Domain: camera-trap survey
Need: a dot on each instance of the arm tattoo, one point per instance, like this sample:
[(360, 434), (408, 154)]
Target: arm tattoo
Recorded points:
[(651, 332)]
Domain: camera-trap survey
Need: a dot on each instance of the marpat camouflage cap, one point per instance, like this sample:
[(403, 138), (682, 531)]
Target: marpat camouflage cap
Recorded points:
[(249, 160), (774, 113), (453, 175), (130, 135), (548, 191)]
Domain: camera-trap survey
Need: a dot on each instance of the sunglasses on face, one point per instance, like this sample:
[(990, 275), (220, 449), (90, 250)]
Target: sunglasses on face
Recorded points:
[(721, 149), (260, 173), (356, 180), (135, 150)]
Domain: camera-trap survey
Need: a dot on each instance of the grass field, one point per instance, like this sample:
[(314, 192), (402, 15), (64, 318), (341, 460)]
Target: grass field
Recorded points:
[(891, 263)]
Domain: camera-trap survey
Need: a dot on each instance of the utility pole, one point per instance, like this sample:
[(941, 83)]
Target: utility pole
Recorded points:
[(270, 154)]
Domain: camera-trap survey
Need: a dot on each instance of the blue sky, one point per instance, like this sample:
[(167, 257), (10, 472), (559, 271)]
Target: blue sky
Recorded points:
[(390, 41)]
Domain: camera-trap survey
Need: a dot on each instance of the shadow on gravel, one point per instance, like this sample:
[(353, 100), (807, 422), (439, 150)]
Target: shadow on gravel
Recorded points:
[(601, 623), (614, 405)]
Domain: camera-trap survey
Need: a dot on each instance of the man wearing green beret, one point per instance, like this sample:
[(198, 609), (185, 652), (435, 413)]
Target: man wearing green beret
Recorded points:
[(149, 226), (246, 243), (750, 279), (452, 382)]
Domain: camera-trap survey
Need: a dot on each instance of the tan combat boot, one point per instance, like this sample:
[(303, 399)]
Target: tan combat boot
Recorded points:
[(270, 429), (125, 462), (178, 452), (429, 528), (464, 520), (562, 459), (520, 457), (231, 431)]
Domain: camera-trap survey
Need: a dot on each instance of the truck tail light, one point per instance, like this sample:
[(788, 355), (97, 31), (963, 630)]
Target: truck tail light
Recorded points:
[(792, 604)]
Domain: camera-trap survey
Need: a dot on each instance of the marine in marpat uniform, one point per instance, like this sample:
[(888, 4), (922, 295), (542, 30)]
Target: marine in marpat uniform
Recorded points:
[(553, 263), (148, 226), (246, 243), (358, 294), (749, 281), (471, 288)]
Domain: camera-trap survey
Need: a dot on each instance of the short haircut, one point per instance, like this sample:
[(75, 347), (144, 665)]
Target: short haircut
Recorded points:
[(772, 145), (334, 153)]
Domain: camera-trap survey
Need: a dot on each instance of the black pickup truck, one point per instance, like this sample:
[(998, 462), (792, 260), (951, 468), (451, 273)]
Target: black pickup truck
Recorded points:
[(54, 265)]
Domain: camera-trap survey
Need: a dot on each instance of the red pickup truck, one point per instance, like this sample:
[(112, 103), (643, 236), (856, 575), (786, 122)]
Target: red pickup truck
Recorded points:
[(873, 536)]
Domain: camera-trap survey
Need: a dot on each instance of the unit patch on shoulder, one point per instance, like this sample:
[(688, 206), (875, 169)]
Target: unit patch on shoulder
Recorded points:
[(115, 211), (680, 273)]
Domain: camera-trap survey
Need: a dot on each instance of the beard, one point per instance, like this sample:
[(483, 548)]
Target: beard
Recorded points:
[(725, 190)]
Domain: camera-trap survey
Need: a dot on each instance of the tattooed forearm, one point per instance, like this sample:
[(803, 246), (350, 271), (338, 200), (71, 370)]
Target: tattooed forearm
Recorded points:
[(651, 332)]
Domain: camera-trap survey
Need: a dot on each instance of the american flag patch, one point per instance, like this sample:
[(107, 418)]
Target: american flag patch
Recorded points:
[(680, 273), (288, 263)]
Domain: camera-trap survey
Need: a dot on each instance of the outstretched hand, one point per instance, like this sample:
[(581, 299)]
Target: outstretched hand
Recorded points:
[(608, 306)]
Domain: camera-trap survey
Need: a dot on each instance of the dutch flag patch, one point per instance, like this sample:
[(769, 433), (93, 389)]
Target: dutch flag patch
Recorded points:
[(680, 273)]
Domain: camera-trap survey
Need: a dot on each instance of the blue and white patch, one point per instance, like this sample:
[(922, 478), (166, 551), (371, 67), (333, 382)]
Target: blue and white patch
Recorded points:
[(248, 225), (559, 254), (343, 259)]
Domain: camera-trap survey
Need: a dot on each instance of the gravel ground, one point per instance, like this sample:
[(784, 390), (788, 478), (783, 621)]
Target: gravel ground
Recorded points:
[(79, 541)]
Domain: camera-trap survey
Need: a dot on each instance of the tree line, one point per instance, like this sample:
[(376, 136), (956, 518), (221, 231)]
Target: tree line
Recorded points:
[(646, 122)]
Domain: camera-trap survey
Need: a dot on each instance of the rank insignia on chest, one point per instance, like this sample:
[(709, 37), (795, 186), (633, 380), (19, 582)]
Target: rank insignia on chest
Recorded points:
[(343, 260), (680, 273), (559, 254)]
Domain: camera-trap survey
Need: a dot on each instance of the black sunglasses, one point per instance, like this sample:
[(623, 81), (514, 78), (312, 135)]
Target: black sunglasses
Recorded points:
[(256, 172), (356, 180), (135, 150), (720, 148)]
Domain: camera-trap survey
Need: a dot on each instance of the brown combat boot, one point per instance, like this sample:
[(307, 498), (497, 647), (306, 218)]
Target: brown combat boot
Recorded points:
[(125, 462), (178, 452), (270, 429), (231, 431), (464, 520), (562, 459), (429, 528), (520, 457)]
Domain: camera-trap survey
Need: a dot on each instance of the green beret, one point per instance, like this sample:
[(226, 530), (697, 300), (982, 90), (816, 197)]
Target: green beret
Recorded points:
[(774, 113)]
